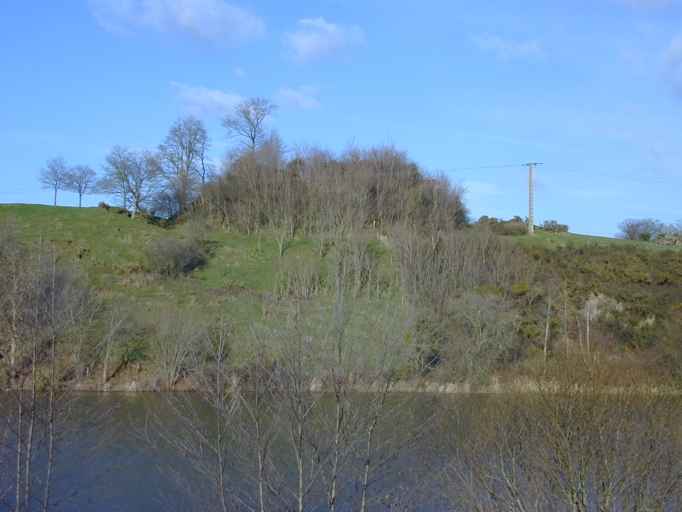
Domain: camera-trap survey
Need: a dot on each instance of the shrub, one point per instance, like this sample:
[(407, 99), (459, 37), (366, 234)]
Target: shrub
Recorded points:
[(169, 257), (511, 228), (640, 229), (554, 227)]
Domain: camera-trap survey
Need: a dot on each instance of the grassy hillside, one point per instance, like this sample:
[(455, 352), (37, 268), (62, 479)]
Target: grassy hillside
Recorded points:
[(563, 239), (246, 277), (112, 249)]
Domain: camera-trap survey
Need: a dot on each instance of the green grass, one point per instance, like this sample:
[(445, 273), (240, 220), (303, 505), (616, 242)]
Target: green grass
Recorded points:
[(111, 249), (242, 276), (562, 239)]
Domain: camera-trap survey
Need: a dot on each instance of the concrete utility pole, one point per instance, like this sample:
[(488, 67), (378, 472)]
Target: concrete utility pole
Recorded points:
[(531, 208)]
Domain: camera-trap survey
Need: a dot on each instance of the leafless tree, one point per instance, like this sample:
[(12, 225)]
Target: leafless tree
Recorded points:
[(309, 421), (173, 340), (183, 159), (206, 429), (248, 121), (482, 329), (640, 229), (43, 311), (585, 438), (53, 175), (81, 180), (131, 176), (111, 340)]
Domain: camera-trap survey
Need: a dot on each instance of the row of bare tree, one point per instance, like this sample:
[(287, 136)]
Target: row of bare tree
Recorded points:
[(582, 436), (275, 436), (309, 422)]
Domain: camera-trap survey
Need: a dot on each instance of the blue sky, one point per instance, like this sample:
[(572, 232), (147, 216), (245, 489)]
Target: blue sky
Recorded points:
[(590, 88)]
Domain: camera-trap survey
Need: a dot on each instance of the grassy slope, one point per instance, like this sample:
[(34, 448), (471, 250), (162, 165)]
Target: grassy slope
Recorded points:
[(238, 274), (112, 239), (111, 248), (562, 239)]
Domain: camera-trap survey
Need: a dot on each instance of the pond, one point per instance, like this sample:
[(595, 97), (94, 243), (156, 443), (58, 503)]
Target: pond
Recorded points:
[(399, 451)]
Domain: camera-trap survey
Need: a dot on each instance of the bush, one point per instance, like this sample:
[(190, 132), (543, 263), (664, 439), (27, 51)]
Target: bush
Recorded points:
[(169, 257), (644, 230), (512, 227), (554, 227)]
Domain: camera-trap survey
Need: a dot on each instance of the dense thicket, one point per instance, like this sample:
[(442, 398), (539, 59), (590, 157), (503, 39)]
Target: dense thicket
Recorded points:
[(321, 195)]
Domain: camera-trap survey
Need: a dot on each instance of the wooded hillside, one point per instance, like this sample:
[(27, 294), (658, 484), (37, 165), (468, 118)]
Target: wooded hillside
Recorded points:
[(362, 251)]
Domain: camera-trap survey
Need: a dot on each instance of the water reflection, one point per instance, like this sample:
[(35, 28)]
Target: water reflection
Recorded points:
[(461, 452)]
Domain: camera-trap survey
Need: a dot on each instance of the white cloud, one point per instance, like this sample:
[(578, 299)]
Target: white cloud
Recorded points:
[(213, 21), (315, 39), (301, 99), (672, 59), (509, 49), (203, 101)]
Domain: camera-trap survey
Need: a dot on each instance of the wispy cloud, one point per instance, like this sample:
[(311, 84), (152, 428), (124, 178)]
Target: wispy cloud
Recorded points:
[(214, 21), (506, 49), (672, 60), (316, 39), (203, 101), (301, 99)]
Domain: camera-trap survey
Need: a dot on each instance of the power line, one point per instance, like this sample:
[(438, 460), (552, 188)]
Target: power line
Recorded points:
[(479, 168), (19, 190), (575, 170), (595, 172), (352, 175)]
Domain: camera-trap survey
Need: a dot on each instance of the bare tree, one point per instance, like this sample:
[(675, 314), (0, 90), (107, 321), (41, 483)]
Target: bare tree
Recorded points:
[(640, 229), (174, 338), (53, 175), (131, 176), (482, 332), (309, 421), (44, 312), (587, 438), (81, 180), (183, 159), (115, 181), (248, 121)]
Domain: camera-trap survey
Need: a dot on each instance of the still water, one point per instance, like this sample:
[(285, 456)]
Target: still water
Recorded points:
[(600, 451), (131, 464)]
